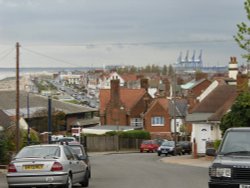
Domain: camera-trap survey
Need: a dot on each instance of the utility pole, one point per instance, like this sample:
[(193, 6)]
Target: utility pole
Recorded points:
[(28, 118), (174, 104), (17, 99), (49, 120)]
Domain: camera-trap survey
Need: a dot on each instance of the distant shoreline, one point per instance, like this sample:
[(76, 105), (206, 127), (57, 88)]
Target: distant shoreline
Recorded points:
[(8, 78)]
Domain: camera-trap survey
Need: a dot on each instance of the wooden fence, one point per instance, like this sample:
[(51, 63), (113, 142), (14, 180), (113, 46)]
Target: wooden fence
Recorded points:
[(111, 143)]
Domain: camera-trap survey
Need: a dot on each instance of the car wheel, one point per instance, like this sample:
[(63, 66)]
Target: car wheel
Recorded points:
[(159, 154), (85, 182), (68, 183)]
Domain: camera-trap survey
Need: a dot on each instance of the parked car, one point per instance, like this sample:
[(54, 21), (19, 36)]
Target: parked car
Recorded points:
[(46, 165), (160, 140), (82, 154), (169, 147), (66, 139), (149, 146), (231, 164), (186, 147)]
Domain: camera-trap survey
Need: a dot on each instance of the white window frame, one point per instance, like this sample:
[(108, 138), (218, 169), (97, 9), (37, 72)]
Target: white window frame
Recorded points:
[(136, 122), (157, 121)]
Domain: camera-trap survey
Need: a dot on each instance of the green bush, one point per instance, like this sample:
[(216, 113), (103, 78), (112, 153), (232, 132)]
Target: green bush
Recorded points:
[(217, 144), (34, 138), (112, 133), (3, 150)]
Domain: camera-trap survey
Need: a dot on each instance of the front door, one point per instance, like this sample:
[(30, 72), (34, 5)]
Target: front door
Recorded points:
[(202, 137)]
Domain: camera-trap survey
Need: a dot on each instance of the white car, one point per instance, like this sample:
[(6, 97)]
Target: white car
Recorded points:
[(47, 165)]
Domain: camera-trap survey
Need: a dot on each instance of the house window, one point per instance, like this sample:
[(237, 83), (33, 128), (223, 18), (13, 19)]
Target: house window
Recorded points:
[(136, 122), (157, 121)]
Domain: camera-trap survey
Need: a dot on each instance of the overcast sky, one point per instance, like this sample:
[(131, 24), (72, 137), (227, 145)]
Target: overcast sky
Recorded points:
[(56, 33)]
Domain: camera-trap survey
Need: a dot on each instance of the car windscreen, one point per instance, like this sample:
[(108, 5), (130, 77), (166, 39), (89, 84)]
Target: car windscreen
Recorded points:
[(236, 141), (148, 142), (39, 152), (168, 144)]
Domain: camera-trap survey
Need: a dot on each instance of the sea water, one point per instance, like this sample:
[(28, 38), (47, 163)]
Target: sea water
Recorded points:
[(11, 72)]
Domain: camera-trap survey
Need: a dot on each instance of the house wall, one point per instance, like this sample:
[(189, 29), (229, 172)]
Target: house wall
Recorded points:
[(115, 115), (201, 134), (69, 121), (216, 133), (157, 110), (179, 122)]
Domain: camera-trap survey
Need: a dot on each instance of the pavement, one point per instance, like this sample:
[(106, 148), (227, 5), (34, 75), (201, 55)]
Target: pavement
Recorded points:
[(189, 160)]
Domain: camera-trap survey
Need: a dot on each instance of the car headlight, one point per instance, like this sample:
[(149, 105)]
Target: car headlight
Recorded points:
[(171, 149), (220, 172)]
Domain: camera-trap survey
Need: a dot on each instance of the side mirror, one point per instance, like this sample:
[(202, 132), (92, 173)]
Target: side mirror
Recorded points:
[(210, 152)]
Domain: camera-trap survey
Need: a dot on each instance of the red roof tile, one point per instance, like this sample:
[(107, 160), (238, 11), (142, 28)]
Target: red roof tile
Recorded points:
[(129, 77), (162, 101), (216, 99), (129, 97)]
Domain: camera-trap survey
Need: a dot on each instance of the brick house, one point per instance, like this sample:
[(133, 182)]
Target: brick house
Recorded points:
[(124, 106), (157, 118), (163, 117)]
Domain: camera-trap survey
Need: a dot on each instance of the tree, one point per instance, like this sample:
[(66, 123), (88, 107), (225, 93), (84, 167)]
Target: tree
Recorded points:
[(243, 35), (164, 70), (3, 149), (170, 70), (239, 116)]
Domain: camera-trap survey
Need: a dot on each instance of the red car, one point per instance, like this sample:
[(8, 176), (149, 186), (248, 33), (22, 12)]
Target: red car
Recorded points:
[(149, 146)]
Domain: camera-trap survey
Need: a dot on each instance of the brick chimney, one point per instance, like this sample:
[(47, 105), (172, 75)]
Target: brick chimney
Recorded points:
[(233, 68), (167, 87), (242, 82), (115, 91), (144, 83)]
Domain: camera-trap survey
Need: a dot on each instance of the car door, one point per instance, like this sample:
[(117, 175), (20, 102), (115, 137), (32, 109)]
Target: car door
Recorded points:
[(77, 167)]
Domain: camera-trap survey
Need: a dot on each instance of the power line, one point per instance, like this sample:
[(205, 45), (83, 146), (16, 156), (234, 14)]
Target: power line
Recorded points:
[(7, 54), (49, 57), (139, 43), (6, 50)]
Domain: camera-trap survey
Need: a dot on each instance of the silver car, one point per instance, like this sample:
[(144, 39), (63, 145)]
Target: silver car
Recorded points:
[(51, 165)]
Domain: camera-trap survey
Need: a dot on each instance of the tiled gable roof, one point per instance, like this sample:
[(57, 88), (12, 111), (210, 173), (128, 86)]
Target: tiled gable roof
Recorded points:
[(162, 101), (129, 97), (192, 84), (216, 99), (180, 107), (223, 109), (129, 77)]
